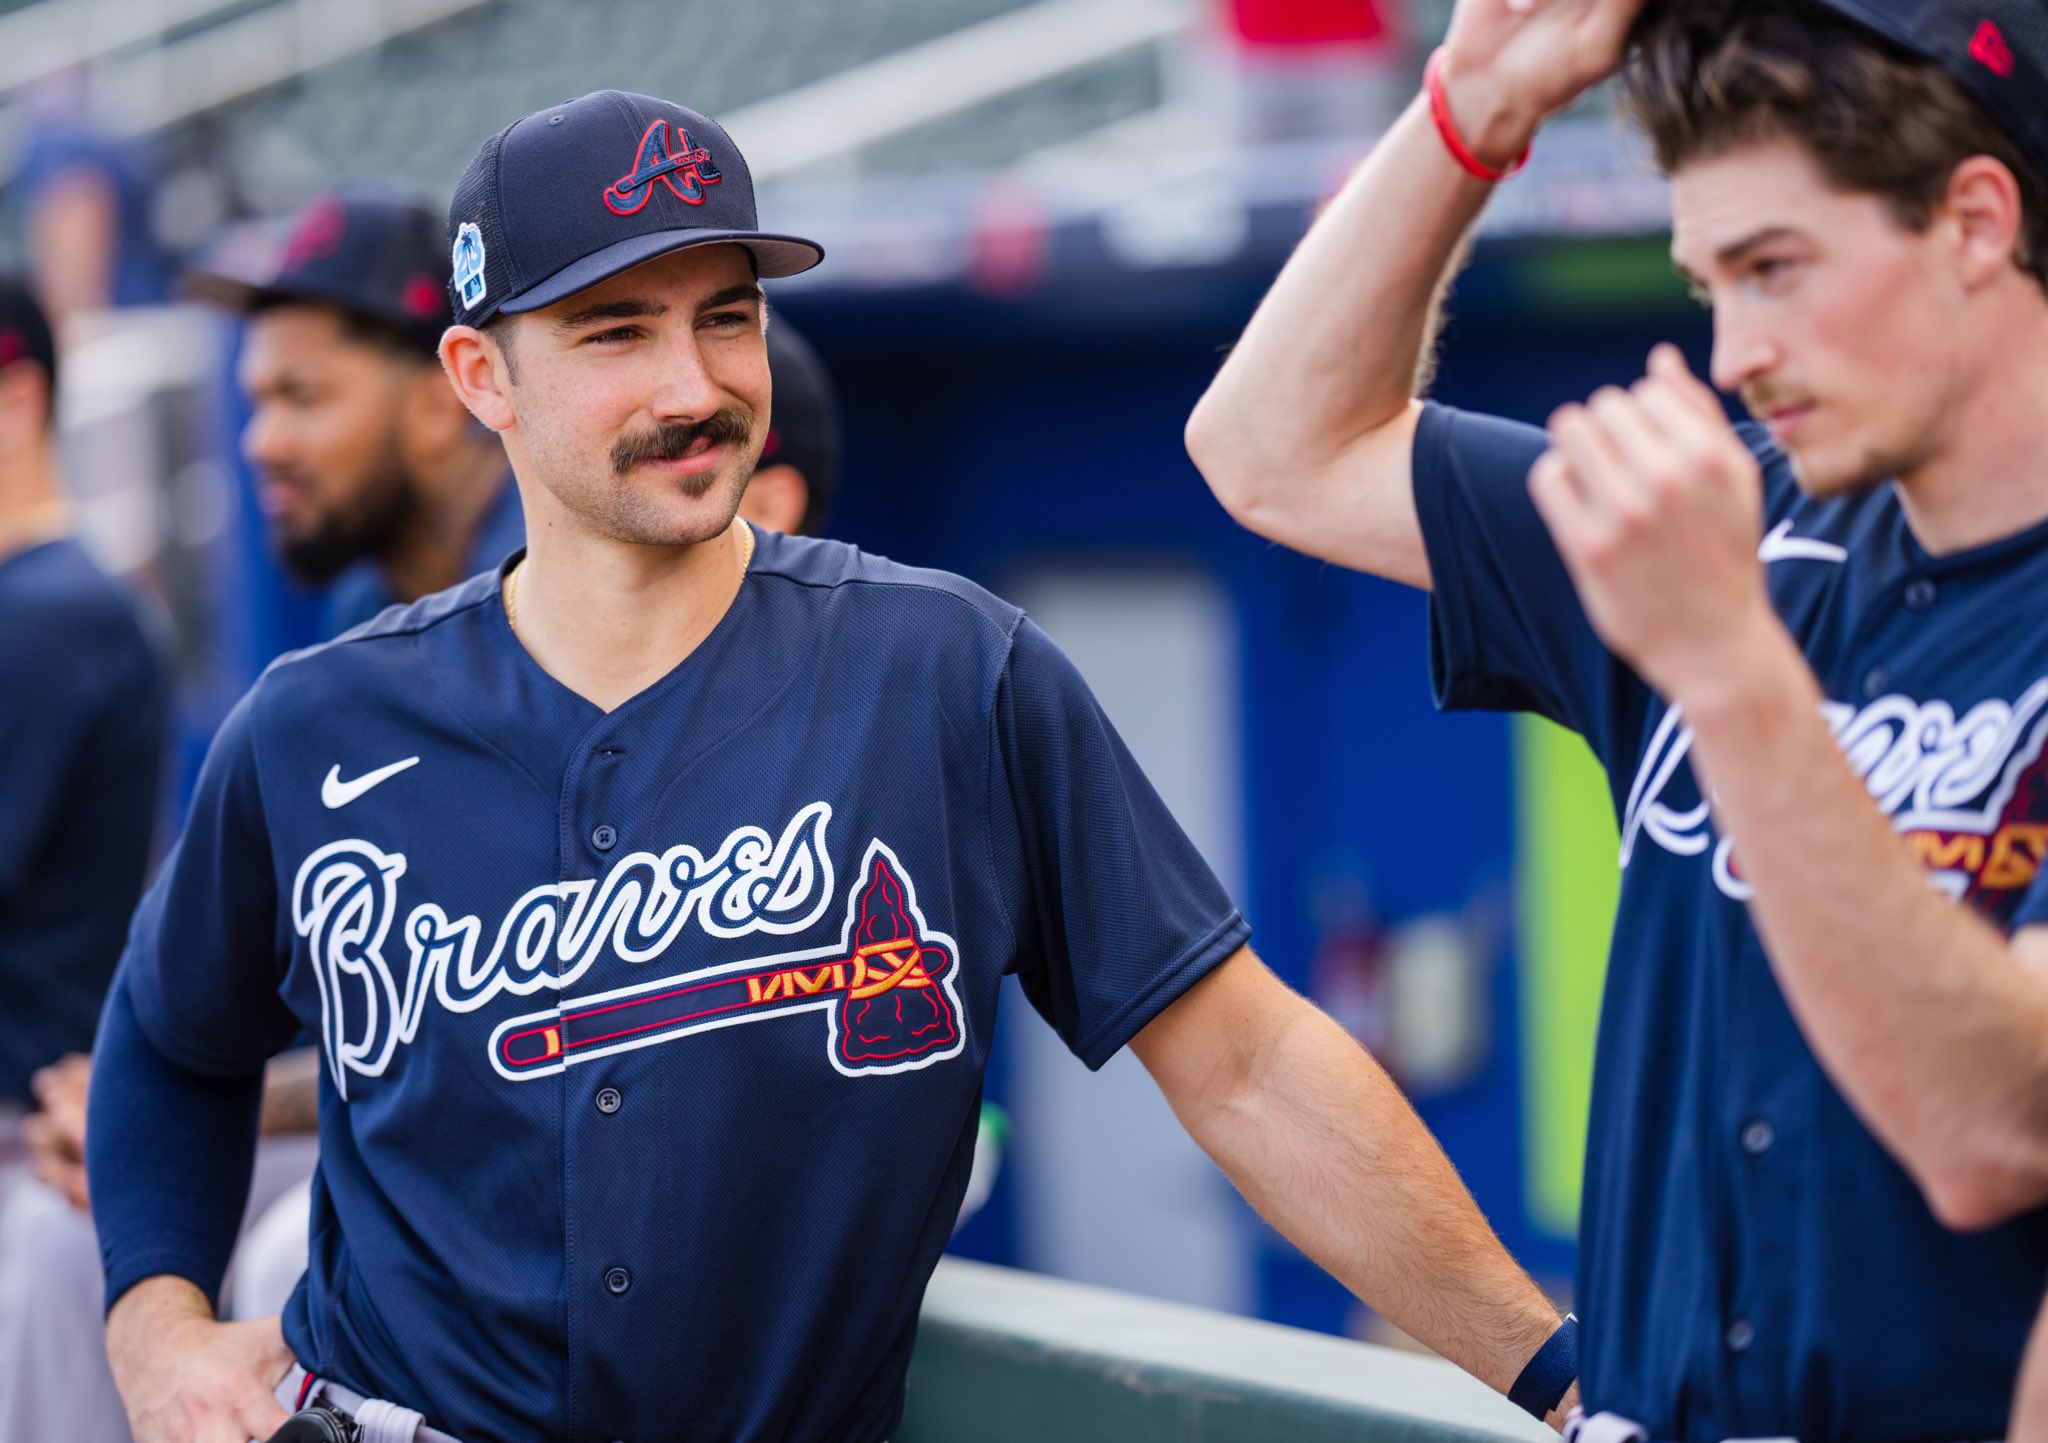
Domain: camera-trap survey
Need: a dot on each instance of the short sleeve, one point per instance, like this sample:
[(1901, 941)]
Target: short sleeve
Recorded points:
[(1506, 630), (1116, 913), (205, 955)]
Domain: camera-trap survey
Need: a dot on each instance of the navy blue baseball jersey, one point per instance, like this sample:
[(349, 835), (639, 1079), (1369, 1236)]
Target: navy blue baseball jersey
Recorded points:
[(360, 592), (85, 699), (654, 1039), (1752, 1260)]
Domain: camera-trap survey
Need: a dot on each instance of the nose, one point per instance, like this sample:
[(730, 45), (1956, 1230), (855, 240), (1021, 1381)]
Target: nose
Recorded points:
[(263, 438), (684, 389), (1743, 350)]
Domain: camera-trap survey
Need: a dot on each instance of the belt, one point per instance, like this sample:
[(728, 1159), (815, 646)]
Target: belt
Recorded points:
[(1613, 1428), (380, 1421)]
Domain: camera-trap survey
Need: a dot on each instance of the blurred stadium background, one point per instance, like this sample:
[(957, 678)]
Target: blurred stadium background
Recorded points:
[(1045, 219)]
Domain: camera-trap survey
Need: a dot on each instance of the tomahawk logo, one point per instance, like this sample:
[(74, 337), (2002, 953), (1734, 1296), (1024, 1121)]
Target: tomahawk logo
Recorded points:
[(889, 983), (886, 992), (684, 168)]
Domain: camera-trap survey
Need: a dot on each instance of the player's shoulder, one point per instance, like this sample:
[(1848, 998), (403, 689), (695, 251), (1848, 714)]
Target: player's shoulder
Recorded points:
[(864, 586), (57, 606), (378, 651)]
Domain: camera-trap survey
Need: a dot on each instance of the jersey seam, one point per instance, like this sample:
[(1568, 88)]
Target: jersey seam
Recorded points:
[(988, 829), (1233, 927)]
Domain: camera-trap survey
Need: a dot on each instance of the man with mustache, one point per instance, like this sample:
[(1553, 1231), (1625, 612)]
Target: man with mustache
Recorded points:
[(1809, 652), (651, 896)]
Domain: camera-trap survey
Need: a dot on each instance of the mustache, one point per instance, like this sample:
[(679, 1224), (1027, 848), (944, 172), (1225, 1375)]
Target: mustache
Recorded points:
[(1762, 402), (729, 426)]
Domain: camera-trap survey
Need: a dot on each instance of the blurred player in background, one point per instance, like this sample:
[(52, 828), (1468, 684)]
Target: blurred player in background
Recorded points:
[(373, 477), (793, 488), (1811, 655), (85, 698), (84, 703)]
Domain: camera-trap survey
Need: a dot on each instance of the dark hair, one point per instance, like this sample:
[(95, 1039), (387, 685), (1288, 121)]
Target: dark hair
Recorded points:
[(498, 326), (25, 335), (1706, 76)]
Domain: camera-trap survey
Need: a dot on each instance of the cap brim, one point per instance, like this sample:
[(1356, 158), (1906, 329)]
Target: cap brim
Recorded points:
[(775, 256)]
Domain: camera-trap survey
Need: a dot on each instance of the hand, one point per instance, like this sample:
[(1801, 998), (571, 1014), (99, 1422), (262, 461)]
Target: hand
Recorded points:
[(55, 1134), (1508, 64), (1656, 507), (185, 1378), (1566, 1406)]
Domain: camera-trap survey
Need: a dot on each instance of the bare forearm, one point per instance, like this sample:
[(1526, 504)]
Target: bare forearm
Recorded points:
[(1334, 350), (1330, 1153), (1919, 1010)]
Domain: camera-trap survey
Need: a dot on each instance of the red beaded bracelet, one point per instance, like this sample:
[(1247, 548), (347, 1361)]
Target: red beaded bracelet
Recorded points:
[(1440, 112)]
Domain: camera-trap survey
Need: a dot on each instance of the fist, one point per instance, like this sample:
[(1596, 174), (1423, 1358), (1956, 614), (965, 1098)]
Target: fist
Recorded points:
[(55, 1132)]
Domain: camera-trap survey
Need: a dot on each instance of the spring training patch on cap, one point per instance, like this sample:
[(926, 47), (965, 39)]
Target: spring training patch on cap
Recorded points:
[(468, 258)]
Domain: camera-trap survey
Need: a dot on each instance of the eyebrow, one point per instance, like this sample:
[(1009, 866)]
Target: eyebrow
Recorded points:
[(620, 310), (745, 291), (1734, 251)]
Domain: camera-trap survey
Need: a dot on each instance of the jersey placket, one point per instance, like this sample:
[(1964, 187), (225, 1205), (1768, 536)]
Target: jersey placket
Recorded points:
[(609, 1118)]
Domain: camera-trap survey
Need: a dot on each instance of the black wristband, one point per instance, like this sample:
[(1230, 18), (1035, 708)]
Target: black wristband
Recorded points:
[(1550, 1373)]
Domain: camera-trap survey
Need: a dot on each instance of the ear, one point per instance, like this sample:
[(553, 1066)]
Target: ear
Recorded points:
[(1983, 209), (476, 369), (776, 498), (434, 416), (24, 403)]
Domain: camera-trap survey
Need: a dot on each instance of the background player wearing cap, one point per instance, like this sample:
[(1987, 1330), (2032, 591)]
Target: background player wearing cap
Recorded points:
[(1819, 1143), (793, 487), (370, 473), (655, 938), (84, 707)]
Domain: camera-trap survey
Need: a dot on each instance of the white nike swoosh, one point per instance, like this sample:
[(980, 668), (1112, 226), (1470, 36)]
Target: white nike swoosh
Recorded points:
[(334, 792), (1782, 545)]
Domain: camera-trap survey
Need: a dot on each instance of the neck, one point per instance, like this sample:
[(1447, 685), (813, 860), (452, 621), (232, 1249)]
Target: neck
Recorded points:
[(433, 551), (1990, 477), (32, 506), (608, 619)]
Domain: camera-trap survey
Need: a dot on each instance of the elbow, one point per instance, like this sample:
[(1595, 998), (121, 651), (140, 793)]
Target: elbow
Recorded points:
[(1215, 444)]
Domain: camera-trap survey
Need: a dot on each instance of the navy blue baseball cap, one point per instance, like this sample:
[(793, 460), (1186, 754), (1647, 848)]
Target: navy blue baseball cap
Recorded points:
[(1997, 49), (574, 194), (25, 333), (371, 251)]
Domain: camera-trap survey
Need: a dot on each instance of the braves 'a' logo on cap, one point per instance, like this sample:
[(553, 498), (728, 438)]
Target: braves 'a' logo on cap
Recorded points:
[(317, 234), (683, 167), (1988, 48)]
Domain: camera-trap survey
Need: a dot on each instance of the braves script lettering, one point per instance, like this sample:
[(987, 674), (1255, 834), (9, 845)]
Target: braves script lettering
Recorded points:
[(346, 895), (1963, 788)]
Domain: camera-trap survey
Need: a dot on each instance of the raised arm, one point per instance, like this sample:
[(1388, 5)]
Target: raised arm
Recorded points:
[(1305, 434), (1321, 1142)]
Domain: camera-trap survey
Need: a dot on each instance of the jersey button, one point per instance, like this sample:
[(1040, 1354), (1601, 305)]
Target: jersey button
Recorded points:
[(1741, 1333), (1757, 1137), (604, 838), (617, 1280), (609, 1101), (1921, 594), (1873, 682)]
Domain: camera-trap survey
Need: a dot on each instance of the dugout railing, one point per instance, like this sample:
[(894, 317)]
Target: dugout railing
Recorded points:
[(1011, 1357)]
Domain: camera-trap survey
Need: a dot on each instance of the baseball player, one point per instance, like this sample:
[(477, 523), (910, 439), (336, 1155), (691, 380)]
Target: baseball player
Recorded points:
[(650, 895), (84, 704), (798, 476), (1809, 653), (85, 697), (370, 474)]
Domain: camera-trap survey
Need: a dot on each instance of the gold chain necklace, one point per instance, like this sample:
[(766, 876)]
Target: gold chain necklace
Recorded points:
[(512, 578)]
